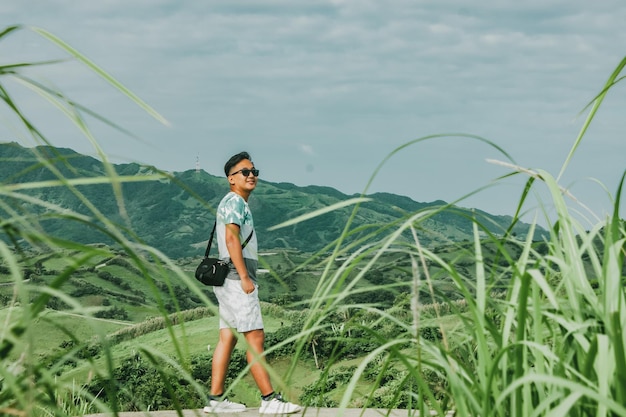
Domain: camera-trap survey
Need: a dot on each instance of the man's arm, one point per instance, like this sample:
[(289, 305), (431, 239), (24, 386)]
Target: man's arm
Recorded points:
[(233, 244)]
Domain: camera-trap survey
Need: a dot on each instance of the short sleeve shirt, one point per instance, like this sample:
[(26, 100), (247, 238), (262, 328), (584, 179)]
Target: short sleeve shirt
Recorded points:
[(233, 209)]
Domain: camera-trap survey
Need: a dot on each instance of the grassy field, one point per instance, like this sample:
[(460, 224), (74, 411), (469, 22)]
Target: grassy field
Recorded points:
[(51, 332), (195, 337)]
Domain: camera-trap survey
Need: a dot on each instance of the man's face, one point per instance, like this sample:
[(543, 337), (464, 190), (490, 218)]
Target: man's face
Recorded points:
[(242, 178)]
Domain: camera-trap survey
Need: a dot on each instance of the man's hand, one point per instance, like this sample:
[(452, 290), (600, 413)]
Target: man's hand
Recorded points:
[(247, 285)]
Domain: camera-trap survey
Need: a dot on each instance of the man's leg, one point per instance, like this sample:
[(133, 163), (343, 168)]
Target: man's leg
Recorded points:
[(221, 358), (256, 340)]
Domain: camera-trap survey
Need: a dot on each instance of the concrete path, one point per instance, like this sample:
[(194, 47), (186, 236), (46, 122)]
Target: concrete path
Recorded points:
[(254, 412)]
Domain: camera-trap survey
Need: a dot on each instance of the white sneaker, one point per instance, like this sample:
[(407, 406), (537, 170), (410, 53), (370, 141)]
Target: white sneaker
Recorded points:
[(278, 406), (224, 406)]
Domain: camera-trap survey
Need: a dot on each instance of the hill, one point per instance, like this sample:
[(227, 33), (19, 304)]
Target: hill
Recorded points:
[(145, 328), (130, 309), (125, 301), (175, 214)]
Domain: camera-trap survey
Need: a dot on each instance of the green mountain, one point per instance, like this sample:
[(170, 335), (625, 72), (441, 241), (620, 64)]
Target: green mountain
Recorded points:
[(176, 214)]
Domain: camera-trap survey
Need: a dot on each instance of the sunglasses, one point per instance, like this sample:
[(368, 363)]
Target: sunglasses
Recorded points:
[(246, 172)]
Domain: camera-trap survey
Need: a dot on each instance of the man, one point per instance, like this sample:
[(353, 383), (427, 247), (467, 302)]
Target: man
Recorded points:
[(238, 298)]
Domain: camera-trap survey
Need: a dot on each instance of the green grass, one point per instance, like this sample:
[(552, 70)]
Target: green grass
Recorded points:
[(197, 336), (47, 336)]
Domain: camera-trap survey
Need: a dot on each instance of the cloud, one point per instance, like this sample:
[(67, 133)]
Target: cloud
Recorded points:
[(307, 149), (347, 80)]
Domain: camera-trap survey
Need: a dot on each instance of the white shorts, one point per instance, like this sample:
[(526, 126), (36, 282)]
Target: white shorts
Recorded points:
[(237, 309)]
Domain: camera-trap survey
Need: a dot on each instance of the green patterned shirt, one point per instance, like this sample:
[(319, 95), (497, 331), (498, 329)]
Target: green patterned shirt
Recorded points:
[(234, 209)]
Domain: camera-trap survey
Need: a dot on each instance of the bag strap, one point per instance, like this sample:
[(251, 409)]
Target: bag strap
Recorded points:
[(208, 246), (243, 245)]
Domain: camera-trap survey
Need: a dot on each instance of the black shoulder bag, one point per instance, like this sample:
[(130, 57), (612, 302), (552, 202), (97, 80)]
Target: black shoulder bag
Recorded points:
[(213, 271)]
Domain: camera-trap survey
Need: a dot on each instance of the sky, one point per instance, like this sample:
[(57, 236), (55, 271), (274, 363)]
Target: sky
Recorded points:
[(337, 92)]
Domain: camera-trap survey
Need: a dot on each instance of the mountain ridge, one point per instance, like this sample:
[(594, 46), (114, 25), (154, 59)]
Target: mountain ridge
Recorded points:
[(176, 215)]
